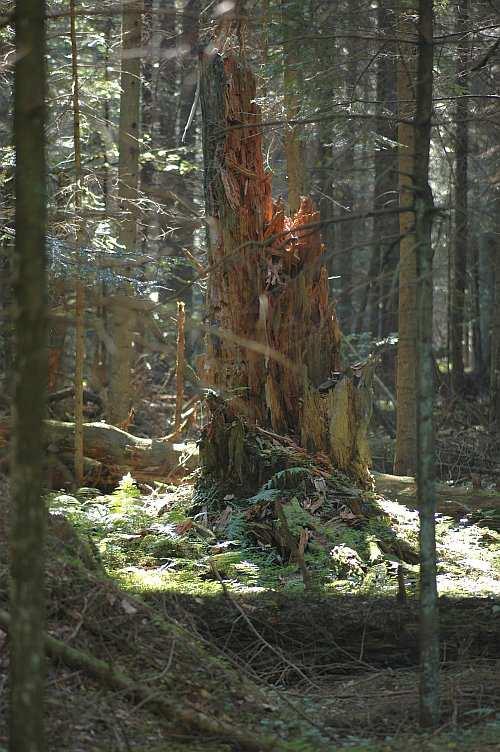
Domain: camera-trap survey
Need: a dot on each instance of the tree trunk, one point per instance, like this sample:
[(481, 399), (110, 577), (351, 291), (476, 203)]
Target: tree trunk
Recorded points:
[(121, 315), (386, 229), (477, 340), (293, 24), (406, 440), (147, 169), (495, 335), (114, 453), (6, 335), (426, 492), (327, 162), (186, 186), (177, 88), (273, 336), (58, 331), (79, 288), (27, 534), (346, 195), (461, 208)]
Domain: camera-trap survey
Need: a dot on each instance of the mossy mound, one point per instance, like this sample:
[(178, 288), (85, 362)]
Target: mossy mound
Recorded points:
[(264, 489), (89, 614), (171, 549)]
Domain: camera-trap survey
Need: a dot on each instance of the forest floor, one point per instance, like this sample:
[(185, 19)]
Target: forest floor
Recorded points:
[(199, 607)]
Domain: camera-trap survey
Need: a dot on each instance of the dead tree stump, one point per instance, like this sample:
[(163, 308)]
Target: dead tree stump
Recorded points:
[(273, 334)]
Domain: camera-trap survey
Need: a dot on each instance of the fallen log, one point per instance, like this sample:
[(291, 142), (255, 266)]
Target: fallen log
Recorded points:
[(111, 453), (451, 500)]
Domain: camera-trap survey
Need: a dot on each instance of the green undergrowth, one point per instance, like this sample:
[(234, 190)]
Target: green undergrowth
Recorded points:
[(153, 580), (191, 538)]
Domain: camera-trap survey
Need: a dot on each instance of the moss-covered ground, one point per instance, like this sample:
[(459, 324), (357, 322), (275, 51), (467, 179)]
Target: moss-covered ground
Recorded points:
[(192, 592)]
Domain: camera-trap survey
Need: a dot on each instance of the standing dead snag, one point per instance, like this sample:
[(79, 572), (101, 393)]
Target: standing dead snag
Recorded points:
[(237, 198), (274, 335)]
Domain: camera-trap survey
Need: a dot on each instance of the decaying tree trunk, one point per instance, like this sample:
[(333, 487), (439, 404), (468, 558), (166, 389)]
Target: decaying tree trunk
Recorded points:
[(234, 169), (274, 336), (111, 453)]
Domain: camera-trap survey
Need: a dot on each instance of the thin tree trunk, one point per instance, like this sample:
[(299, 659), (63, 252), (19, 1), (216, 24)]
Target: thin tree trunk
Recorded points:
[(167, 77), (292, 23), (386, 229), (27, 534), (79, 289), (426, 492), (185, 186), (477, 343), (122, 316), (265, 19), (99, 366), (406, 440), (177, 85), (346, 168), (180, 363), (495, 335), (327, 166), (6, 344), (147, 170), (461, 208), (346, 233)]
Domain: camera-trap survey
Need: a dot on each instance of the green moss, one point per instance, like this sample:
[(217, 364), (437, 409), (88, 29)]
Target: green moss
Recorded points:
[(297, 517), (186, 582)]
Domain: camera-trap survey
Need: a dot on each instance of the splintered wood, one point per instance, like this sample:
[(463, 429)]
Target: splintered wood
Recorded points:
[(273, 336)]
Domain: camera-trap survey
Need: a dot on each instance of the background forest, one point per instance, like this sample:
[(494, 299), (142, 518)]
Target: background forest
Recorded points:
[(250, 364)]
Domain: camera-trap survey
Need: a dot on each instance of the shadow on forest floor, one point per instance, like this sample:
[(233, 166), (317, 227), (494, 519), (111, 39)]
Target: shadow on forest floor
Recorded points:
[(335, 668)]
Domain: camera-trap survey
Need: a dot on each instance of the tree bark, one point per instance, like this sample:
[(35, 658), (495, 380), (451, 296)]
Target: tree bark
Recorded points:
[(461, 207), (477, 339), (116, 451), (27, 534), (406, 442), (426, 492), (147, 169), (177, 95), (386, 229), (274, 336), (79, 288), (346, 196), (180, 365), (327, 162), (122, 316), (233, 231), (495, 334), (292, 24)]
